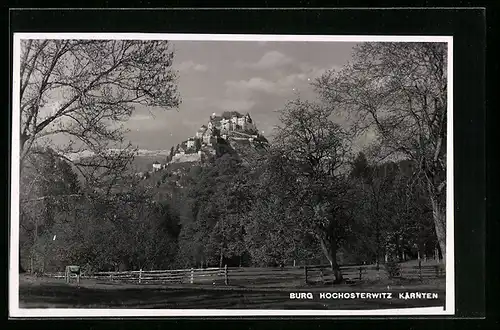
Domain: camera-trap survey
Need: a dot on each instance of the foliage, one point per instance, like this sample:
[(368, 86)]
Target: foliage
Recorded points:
[(211, 229), (389, 212), (124, 228), (197, 144), (393, 269), (311, 153), (81, 89), (304, 198), (50, 188), (399, 90)]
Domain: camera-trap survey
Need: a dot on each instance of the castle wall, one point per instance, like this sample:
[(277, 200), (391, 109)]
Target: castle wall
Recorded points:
[(178, 158)]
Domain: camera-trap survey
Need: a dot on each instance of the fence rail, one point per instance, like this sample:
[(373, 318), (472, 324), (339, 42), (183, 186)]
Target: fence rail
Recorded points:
[(357, 273), (192, 275), (265, 276)]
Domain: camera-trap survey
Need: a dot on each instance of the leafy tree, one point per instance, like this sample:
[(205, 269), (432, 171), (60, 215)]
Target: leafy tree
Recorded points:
[(50, 187), (222, 147), (211, 228), (360, 168), (125, 231), (82, 90), (374, 203), (399, 90), (411, 230), (313, 151), (215, 132), (273, 233), (391, 218), (197, 144), (233, 201)]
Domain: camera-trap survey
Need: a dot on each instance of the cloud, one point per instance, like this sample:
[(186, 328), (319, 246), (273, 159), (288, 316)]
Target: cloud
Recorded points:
[(313, 71), (191, 66), (242, 88), (283, 84), (141, 117), (269, 60), (195, 100), (235, 104)]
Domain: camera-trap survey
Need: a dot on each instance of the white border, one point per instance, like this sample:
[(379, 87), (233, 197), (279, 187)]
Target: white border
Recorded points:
[(15, 311)]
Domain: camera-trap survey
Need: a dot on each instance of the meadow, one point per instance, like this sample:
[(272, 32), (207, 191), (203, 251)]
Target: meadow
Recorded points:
[(253, 293)]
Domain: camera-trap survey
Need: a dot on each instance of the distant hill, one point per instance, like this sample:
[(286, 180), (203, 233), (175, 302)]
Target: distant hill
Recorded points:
[(143, 163), (231, 128), (143, 159)]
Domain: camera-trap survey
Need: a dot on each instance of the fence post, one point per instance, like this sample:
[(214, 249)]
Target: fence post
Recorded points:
[(437, 271), (360, 272), (140, 275), (305, 273), (226, 282), (192, 276), (420, 269)]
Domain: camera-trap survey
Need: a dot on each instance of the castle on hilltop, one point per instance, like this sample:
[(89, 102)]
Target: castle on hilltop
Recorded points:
[(230, 126), (229, 121)]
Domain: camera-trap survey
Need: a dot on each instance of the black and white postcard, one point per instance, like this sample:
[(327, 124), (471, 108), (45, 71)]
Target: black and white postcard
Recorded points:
[(231, 175)]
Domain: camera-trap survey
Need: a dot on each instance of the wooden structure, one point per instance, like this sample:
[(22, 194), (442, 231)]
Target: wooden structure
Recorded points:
[(243, 276), (72, 270)]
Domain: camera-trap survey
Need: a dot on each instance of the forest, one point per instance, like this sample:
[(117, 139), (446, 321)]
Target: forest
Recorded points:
[(309, 197)]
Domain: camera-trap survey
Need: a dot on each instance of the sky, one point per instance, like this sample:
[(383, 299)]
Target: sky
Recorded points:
[(218, 76)]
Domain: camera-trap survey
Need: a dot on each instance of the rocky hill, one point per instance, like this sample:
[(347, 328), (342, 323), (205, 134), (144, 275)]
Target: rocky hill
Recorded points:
[(239, 137), (238, 130), (229, 130)]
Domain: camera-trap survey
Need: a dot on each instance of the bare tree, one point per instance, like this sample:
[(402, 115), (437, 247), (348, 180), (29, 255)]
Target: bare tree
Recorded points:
[(399, 90), (74, 97), (314, 149), (83, 89)]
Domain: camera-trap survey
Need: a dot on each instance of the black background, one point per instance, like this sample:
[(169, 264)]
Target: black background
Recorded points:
[(467, 26)]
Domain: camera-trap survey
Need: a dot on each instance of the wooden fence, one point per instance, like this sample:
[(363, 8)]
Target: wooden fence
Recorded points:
[(323, 273), (286, 276), (179, 276)]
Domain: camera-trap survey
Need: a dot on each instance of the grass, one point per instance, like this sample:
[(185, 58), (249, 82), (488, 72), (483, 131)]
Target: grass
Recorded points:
[(54, 293)]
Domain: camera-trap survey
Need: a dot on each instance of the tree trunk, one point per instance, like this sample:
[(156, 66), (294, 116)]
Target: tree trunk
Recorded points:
[(439, 216), (330, 250), (336, 269), (377, 242), (221, 258)]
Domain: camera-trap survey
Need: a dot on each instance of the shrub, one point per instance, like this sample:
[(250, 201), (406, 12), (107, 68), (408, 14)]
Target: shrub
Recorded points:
[(393, 269)]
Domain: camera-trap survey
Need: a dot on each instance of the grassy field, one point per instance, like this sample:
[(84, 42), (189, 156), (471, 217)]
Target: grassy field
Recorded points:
[(54, 293)]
